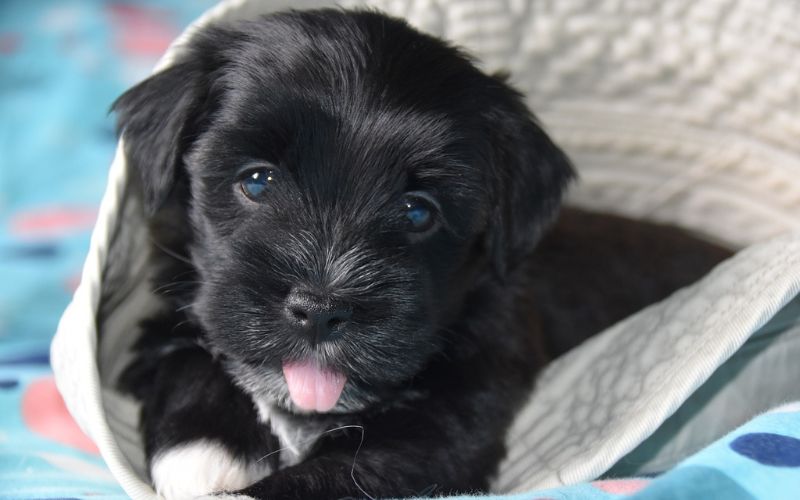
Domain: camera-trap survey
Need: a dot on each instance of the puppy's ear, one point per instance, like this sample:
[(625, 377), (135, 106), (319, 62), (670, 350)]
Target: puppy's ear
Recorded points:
[(530, 174), (158, 119)]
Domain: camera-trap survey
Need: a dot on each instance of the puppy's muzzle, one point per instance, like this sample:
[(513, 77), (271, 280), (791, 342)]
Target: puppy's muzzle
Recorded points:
[(316, 317)]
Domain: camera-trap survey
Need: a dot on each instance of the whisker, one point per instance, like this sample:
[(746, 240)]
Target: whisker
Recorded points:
[(185, 307), (171, 253), (180, 324), (166, 286), (353, 467)]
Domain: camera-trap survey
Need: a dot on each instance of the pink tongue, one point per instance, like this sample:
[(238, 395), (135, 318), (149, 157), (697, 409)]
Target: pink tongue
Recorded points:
[(312, 387)]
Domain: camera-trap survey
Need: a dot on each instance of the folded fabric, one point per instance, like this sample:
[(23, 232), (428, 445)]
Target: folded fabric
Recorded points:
[(758, 461)]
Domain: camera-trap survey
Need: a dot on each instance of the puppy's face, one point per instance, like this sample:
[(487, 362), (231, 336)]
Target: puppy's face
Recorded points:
[(349, 181)]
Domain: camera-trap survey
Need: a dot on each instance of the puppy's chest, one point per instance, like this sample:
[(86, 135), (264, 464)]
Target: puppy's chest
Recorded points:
[(296, 437)]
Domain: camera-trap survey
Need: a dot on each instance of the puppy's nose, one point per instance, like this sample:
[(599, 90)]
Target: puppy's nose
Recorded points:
[(315, 317)]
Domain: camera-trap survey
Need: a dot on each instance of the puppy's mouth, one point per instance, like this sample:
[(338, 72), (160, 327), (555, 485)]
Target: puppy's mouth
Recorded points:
[(313, 387)]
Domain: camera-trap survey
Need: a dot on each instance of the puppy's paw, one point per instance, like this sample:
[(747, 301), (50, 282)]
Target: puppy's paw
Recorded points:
[(201, 468), (225, 496)]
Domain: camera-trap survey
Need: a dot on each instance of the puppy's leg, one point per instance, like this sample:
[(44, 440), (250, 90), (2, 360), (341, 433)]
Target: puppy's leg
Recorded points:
[(437, 447), (202, 434)]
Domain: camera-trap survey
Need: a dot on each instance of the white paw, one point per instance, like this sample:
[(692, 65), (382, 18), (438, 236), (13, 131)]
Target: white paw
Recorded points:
[(225, 496), (202, 468)]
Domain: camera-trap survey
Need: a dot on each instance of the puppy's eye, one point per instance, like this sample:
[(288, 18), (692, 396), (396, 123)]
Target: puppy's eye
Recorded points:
[(256, 183), (420, 212)]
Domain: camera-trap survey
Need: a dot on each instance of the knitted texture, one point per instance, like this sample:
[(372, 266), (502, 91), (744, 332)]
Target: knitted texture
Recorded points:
[(599, 401)]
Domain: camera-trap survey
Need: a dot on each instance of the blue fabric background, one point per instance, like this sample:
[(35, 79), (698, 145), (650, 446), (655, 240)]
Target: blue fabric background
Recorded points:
[(62, 63)]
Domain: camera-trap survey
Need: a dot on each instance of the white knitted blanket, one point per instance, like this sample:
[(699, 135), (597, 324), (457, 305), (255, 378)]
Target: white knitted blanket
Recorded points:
[(678, 111)]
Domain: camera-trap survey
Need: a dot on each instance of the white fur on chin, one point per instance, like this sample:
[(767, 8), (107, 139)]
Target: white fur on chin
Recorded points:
[(201, 468)]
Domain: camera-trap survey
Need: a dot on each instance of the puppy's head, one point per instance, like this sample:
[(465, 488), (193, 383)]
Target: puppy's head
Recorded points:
[(348, 181)]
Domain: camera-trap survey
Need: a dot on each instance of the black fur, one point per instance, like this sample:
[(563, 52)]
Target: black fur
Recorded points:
[(354, 109)]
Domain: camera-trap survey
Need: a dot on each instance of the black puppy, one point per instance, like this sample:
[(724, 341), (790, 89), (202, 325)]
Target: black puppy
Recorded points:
[(348, 208)]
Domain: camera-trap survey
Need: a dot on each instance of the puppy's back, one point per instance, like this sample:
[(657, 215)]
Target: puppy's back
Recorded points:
[(592, 270)]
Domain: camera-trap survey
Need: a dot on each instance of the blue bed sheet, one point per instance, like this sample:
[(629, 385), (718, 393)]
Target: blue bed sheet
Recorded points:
[(62, 63)]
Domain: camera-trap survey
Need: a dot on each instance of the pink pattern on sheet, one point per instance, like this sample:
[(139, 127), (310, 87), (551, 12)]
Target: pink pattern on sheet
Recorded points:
[(53, 221), (45, 414), (142, 31), (621, 486)]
